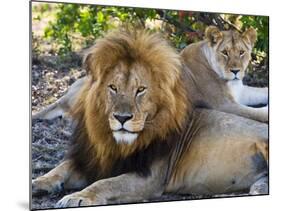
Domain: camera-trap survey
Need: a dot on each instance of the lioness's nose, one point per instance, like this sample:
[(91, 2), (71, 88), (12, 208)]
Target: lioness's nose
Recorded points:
[(122, 118), (234, 71)]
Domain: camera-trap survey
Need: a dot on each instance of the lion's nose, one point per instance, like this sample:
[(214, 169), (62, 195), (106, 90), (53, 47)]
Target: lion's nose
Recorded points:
[(234, 71), (122, 118)]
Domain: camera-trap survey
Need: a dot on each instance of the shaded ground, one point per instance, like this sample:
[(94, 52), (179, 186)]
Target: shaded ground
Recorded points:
[(51, 77)]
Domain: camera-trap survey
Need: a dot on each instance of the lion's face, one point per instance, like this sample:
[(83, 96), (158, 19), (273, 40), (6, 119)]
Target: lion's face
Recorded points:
[(129, 102), (135, 94), (232, 51)]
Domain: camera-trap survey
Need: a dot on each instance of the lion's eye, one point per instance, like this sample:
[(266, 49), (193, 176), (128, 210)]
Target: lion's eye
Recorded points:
[(140, 90), (113, 88), (225, 53), (242, 53)]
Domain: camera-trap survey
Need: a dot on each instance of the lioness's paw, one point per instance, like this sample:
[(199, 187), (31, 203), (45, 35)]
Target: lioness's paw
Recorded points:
[(76, 200), (44, 185), (265, 114)]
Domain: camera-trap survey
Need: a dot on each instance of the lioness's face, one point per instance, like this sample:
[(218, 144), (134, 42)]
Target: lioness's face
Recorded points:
[(233, 56), (129, 102), (232, 51)]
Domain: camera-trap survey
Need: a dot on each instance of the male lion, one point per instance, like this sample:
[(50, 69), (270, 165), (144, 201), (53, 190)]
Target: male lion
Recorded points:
[(138, 136), (216, 67)]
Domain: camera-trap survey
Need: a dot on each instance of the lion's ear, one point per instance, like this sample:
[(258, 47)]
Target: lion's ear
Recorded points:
[(250, 35), (213, 34)]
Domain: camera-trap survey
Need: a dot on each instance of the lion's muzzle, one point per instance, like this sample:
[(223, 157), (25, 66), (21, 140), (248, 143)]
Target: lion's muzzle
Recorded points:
[(124, 127)]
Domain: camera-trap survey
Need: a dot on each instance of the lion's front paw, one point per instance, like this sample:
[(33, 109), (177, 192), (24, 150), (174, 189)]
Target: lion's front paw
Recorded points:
[(44, 185), (78, 199)]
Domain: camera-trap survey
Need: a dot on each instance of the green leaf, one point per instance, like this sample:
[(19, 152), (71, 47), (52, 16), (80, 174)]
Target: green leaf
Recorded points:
[(100, 17)]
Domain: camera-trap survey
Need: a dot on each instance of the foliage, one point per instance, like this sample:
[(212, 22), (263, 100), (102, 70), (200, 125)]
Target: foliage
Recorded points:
[(89, 22), (261, 23), (84, 23)]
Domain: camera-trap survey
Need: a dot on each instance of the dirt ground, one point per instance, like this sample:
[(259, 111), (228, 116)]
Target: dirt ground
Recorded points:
[(51, 77)]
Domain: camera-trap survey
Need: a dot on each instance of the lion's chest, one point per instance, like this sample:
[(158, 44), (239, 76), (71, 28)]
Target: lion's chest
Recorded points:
[(235, 88)]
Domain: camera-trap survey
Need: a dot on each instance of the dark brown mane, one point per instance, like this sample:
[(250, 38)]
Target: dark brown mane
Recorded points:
[(139, 161)]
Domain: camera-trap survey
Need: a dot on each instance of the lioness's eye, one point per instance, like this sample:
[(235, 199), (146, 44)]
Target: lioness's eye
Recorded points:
[(113, 88), (224, 52), (242, 53), (140, 90)]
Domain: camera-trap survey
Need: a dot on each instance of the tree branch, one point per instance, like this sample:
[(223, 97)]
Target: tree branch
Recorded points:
[(165, 17)]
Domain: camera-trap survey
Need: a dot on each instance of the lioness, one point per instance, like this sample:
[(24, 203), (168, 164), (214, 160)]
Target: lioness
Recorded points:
[(138, 135), (216, 67)]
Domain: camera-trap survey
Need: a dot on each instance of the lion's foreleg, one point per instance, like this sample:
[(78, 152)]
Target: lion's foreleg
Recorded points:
[(63, 176), (125, 188), (259, 114), (253, 96)]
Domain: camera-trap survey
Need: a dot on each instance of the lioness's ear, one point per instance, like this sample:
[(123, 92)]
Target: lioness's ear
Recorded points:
[(250, 35), (213, 34)]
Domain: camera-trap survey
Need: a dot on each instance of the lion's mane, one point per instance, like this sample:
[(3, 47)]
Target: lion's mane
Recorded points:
[(94, 151)]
